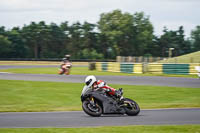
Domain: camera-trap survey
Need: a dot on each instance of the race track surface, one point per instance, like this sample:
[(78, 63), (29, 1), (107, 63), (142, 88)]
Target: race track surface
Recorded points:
[(80, 119)]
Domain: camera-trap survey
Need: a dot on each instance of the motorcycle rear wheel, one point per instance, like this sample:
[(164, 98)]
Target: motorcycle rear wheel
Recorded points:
[(133, 109), (90, 110)]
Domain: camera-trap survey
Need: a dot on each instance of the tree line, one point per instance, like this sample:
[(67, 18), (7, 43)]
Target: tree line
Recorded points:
[(115, 34)]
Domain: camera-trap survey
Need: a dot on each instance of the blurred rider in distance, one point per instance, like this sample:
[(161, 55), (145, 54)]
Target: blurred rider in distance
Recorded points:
[(65, 65)]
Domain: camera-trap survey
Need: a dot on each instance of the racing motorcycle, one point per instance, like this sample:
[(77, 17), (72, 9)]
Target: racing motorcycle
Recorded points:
[(95, 103), (65, 68)]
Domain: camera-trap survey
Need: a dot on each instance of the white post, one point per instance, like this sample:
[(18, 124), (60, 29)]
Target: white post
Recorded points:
[(198, 70), (170, 52)]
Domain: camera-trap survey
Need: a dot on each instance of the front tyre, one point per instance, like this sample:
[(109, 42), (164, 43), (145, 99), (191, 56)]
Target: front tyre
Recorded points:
[(131, 107), (92, 109)]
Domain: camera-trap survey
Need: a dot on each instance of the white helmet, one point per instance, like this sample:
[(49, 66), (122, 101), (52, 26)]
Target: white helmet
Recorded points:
[(89, 80)]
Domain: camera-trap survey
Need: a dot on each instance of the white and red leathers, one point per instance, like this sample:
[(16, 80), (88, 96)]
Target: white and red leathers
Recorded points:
[(102, 85), (64, 67), (66, 64)]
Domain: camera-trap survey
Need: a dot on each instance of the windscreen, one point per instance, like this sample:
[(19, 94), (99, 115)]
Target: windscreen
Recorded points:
[(85, 89)]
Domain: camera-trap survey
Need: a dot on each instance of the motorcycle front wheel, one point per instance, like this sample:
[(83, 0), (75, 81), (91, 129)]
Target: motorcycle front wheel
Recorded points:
[(92, 109), (131, 107)]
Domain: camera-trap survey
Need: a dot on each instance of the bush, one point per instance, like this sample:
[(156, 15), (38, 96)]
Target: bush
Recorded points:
[(92, 66)]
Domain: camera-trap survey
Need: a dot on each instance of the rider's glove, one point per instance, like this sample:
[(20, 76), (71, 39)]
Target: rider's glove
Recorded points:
[(108, 90), (119, 93)]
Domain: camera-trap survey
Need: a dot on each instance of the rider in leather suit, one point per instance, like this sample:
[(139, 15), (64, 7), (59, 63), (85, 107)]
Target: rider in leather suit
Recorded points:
[(65, 66), (91, 81)]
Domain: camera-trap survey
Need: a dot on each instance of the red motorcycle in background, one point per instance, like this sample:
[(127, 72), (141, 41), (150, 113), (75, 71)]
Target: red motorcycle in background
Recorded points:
[(65, 66)]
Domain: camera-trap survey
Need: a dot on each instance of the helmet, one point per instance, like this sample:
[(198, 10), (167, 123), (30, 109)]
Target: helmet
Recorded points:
[(89, 80), (67, 56), (64, 59)]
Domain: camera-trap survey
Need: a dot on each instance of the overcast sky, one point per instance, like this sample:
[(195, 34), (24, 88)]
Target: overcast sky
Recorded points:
[(169, 13)]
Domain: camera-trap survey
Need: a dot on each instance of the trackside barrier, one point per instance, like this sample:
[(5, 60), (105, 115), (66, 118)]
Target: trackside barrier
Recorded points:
[(182, 69), (193, 69), (119, 67), (155, 68), (176, 69)]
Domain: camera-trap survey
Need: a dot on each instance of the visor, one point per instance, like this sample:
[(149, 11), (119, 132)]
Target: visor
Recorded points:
[(88, 82)]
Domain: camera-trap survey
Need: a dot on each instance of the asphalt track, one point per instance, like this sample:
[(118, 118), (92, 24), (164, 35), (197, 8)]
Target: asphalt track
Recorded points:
[(80, 119)]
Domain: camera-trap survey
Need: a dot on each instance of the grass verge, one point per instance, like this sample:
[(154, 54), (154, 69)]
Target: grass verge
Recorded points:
[(117, 129), (187, 58), (23, 96)]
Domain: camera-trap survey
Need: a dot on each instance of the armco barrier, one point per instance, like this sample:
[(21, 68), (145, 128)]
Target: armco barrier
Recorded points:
[(183, 69), (114, 67), (126, 68), (155, 68), (192, 68), (138, 68), (176, 69), (119, 67)]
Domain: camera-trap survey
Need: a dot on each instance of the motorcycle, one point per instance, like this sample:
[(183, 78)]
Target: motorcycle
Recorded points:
[(65, 68), (95, 103)]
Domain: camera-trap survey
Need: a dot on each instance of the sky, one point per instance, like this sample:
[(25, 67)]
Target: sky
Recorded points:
[(168, 13)]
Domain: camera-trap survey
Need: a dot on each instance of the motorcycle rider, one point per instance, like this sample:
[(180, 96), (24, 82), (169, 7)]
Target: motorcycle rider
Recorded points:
[(95, 84), (65, 65)]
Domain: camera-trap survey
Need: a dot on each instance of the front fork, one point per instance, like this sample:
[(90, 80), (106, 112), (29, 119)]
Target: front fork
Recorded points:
[(92, 102)]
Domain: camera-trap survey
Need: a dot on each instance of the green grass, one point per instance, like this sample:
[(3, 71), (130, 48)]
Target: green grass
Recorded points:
[(117, 129), (54, 96), (188, 58), (84, 71)]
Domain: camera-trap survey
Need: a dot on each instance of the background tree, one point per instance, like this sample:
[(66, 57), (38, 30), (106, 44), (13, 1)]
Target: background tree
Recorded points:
[(116, 33), (76, 37), (65, 28), (143, 34), (31, 36), (5, 47), (90, 45), (57, 41), (114, 27), (2, 31), (18, 47), (174, 39), (126, 34), (195, 36)]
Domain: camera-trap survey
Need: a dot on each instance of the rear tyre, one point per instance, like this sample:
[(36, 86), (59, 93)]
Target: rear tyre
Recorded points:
[(67, 71), (131, 107), (61, 71), (92, 110)]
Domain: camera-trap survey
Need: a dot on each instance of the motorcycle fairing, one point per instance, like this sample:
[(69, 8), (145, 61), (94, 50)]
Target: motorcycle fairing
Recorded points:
[(108, 103)]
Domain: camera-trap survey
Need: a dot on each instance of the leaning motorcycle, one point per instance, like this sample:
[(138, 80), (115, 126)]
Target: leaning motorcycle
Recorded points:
[(95, 103), (65, 69)]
